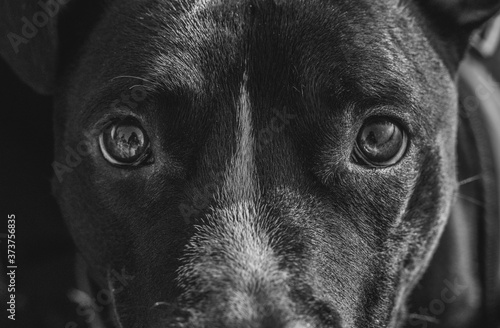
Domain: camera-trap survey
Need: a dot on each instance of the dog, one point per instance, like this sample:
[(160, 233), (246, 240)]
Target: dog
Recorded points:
[(259, 163)]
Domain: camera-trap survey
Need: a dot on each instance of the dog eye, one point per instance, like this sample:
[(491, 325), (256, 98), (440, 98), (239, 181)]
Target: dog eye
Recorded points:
[(124, 142), (380, 143)]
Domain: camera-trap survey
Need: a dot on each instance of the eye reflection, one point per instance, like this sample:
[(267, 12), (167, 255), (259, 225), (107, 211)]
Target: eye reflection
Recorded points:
[(124, 142), (380, 143)]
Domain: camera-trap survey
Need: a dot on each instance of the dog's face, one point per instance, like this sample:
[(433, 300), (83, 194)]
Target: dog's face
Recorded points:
[(292, 164), (259, 163)]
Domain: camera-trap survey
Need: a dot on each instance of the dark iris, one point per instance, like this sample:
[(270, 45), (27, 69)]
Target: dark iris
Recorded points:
[(380, 143), (124, 142)]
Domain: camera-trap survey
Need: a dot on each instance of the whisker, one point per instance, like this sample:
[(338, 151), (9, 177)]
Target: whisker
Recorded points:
[(423, 317), (469, 180), (471, 200)]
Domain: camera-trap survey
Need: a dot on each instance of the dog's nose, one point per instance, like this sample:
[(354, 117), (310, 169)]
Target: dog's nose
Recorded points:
[(166, 312)]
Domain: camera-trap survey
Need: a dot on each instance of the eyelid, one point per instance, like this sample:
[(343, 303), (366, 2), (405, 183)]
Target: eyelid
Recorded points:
[(100, 103), (110, 118)]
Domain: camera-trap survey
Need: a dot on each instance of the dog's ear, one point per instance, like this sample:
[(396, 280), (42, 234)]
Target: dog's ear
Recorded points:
[(467, 14), (29, 41)]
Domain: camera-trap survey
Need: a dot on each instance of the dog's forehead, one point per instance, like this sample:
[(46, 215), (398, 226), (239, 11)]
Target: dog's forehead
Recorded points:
[(312, 52), (191, 43)]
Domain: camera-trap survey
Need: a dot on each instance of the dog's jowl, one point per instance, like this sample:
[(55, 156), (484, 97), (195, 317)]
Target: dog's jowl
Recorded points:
[(252, 163)]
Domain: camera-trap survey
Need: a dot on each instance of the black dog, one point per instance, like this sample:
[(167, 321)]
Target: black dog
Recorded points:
[(261, 163)]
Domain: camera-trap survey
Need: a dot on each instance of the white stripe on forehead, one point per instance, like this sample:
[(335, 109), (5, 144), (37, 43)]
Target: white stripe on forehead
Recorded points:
[(240, 175)]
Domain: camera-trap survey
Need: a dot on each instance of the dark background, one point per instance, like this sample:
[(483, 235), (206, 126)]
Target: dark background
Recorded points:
[(44, 252)]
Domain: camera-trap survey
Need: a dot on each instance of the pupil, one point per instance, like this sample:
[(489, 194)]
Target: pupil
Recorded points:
[(380, 134), (380, 143), (128, 143), (124, 143)]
